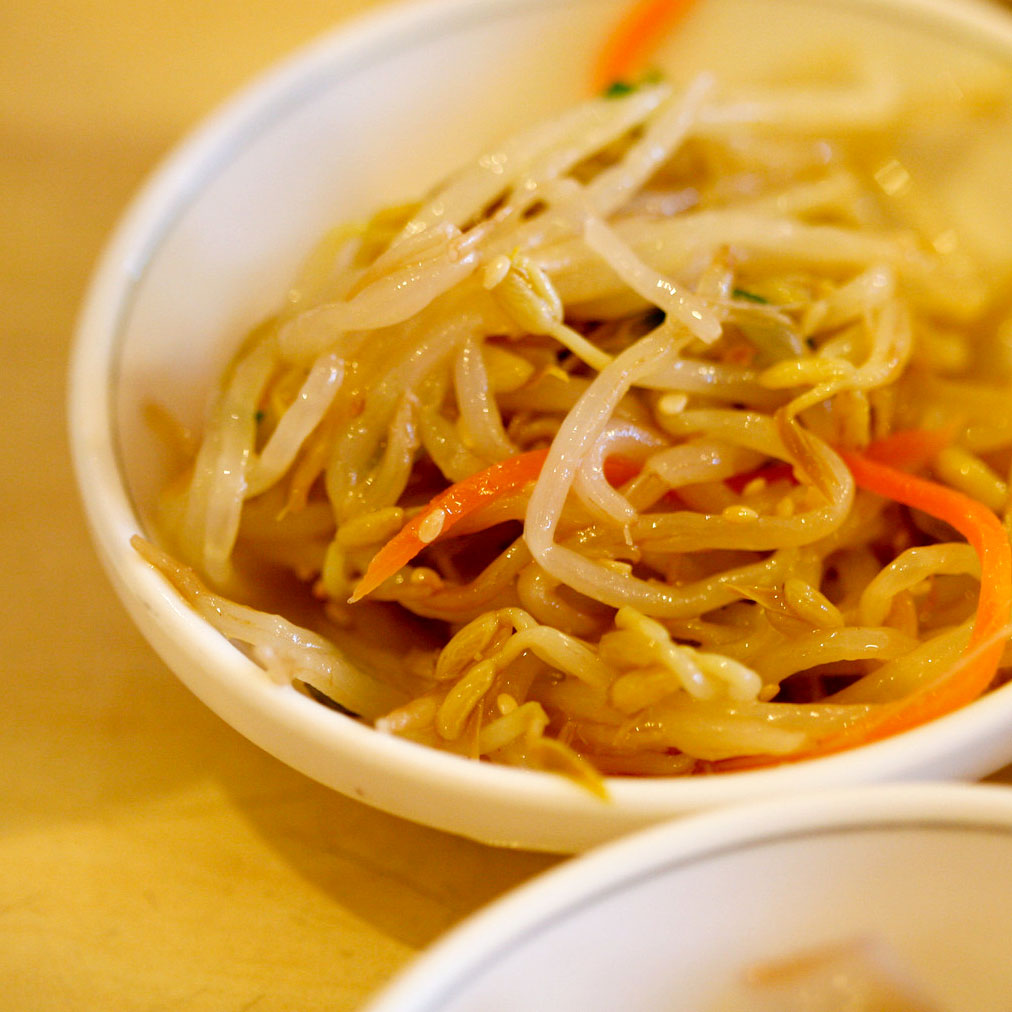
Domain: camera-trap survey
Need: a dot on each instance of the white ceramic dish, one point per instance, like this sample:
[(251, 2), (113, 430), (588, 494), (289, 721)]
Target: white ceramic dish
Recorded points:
[(671, 917), (371, 115)]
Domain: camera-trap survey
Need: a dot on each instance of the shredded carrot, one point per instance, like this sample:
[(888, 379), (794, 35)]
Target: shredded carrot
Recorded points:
[(975, 671), (462, 499), (634, 38), (984, 531), (451, 505), (619, 470), (911, 449)]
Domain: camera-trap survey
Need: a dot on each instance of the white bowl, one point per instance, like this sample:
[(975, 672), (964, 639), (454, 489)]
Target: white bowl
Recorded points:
[(374, 114), (672, 917)]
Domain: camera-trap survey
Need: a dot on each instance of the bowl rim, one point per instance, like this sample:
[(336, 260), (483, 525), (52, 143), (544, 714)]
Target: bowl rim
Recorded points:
[(233, 685), (428, 982)]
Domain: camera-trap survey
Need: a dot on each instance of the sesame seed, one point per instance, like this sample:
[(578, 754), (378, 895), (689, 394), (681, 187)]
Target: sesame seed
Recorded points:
[(431, 527)]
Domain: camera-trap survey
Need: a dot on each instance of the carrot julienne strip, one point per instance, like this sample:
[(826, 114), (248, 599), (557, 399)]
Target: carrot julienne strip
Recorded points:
[(911, 449), (984, 531), (461, 500), (506, 476), (445, 510), (634, 37), (975, 671)]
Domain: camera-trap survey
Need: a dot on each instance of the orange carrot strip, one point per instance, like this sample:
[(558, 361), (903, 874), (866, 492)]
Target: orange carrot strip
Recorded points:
[(462, 499), (635, 36), (450, 506), (619, 470), (976, 669), (911, 449), (984, 531)]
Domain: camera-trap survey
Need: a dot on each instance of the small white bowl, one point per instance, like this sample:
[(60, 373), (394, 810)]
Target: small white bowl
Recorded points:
[(375, 114), (674, 916)]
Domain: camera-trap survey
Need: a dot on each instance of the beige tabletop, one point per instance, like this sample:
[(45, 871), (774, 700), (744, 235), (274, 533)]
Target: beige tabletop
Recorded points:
[(151, 858)]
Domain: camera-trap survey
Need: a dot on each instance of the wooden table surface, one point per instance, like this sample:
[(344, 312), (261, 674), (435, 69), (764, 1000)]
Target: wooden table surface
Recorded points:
[(150, 857)]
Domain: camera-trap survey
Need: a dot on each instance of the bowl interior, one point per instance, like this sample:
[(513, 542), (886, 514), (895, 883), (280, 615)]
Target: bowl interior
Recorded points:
[(674, 918), (373, 115)]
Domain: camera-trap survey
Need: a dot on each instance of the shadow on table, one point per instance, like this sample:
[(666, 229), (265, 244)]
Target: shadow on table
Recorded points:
[(411, 882)]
